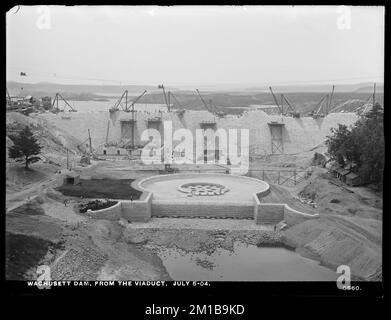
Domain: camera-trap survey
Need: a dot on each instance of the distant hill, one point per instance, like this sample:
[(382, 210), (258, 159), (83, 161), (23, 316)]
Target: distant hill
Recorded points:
[(369, 89), (357, 87), (114, 90), (14, 88)]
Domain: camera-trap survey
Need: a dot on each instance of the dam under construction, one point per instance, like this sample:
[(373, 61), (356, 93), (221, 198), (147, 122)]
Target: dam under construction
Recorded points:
[(120, 133)]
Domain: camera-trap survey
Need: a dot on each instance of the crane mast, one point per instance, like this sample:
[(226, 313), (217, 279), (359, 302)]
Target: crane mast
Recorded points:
[(161, 86), (275, 100)]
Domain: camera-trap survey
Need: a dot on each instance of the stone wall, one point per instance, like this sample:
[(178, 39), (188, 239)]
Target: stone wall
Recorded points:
[(218, 209), (269, 213), (112, 213), (137, 210), (273, 213), (142, 210)]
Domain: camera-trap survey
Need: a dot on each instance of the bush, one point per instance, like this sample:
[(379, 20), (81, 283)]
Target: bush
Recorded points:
[(95, 205)]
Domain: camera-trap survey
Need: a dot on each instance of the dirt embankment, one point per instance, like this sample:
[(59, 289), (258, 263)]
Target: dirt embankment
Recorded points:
[(334, 243), (349, 231)]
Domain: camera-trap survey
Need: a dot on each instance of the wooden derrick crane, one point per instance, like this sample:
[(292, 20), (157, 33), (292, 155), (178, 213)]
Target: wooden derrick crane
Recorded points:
[(55, 102), (280, 109), (293, 112), (292, 109), (127, 108), (211, 108)]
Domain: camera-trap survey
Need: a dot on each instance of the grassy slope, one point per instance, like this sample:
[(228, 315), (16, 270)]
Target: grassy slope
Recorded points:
[(102, 188)]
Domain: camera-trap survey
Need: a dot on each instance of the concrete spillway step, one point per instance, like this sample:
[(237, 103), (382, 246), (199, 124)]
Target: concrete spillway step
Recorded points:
[(269, 220), (163, 208)]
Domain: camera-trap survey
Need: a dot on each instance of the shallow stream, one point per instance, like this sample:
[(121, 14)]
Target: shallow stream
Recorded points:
[(244, 263)]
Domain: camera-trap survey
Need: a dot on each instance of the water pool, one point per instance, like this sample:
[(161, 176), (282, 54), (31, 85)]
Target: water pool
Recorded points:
[(244, 263)]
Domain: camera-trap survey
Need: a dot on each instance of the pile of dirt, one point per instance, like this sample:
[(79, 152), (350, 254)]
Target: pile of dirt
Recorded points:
[(198, 240), (97, 252), (332, 199)]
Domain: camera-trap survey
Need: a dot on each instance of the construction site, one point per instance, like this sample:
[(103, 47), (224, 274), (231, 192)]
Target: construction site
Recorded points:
[(204, 143), (87, 154)]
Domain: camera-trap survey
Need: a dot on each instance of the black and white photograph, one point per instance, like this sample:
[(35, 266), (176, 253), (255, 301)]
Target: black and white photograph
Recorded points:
[(192, 146)]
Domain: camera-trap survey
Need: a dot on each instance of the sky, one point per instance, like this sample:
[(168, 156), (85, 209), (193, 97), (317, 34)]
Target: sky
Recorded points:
[(224, 45)]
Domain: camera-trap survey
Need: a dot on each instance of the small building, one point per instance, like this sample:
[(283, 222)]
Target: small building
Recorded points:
[(71, 177), (353, 179), (208, 124), (333, 169), (342, 173), (111, 151)]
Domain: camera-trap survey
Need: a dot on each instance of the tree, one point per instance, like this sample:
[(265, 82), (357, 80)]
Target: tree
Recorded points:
[(25, 148), (338, 142), (362, 144)]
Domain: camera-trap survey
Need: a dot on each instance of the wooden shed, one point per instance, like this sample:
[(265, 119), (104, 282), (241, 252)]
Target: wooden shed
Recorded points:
[(71, 178), (353, 179), (342, 173)]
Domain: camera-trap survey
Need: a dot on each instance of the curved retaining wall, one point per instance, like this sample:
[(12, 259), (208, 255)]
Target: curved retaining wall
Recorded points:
[(134, 211), (143, 209), (112, 213)]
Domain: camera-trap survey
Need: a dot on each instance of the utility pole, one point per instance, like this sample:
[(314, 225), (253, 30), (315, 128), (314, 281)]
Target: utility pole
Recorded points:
[(374, 94), (275, 100), (67, 159), (89, 138), (107, 132), (133, 124), (126, 99), (331, 97)]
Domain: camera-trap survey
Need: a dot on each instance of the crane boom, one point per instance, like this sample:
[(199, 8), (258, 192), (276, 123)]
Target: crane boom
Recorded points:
[(331, 97), (288, 103), (115, 107), (175, 98), (161, 86), (135, 100), (319, 106), (203, 101), (275, 100), (66, 102)]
